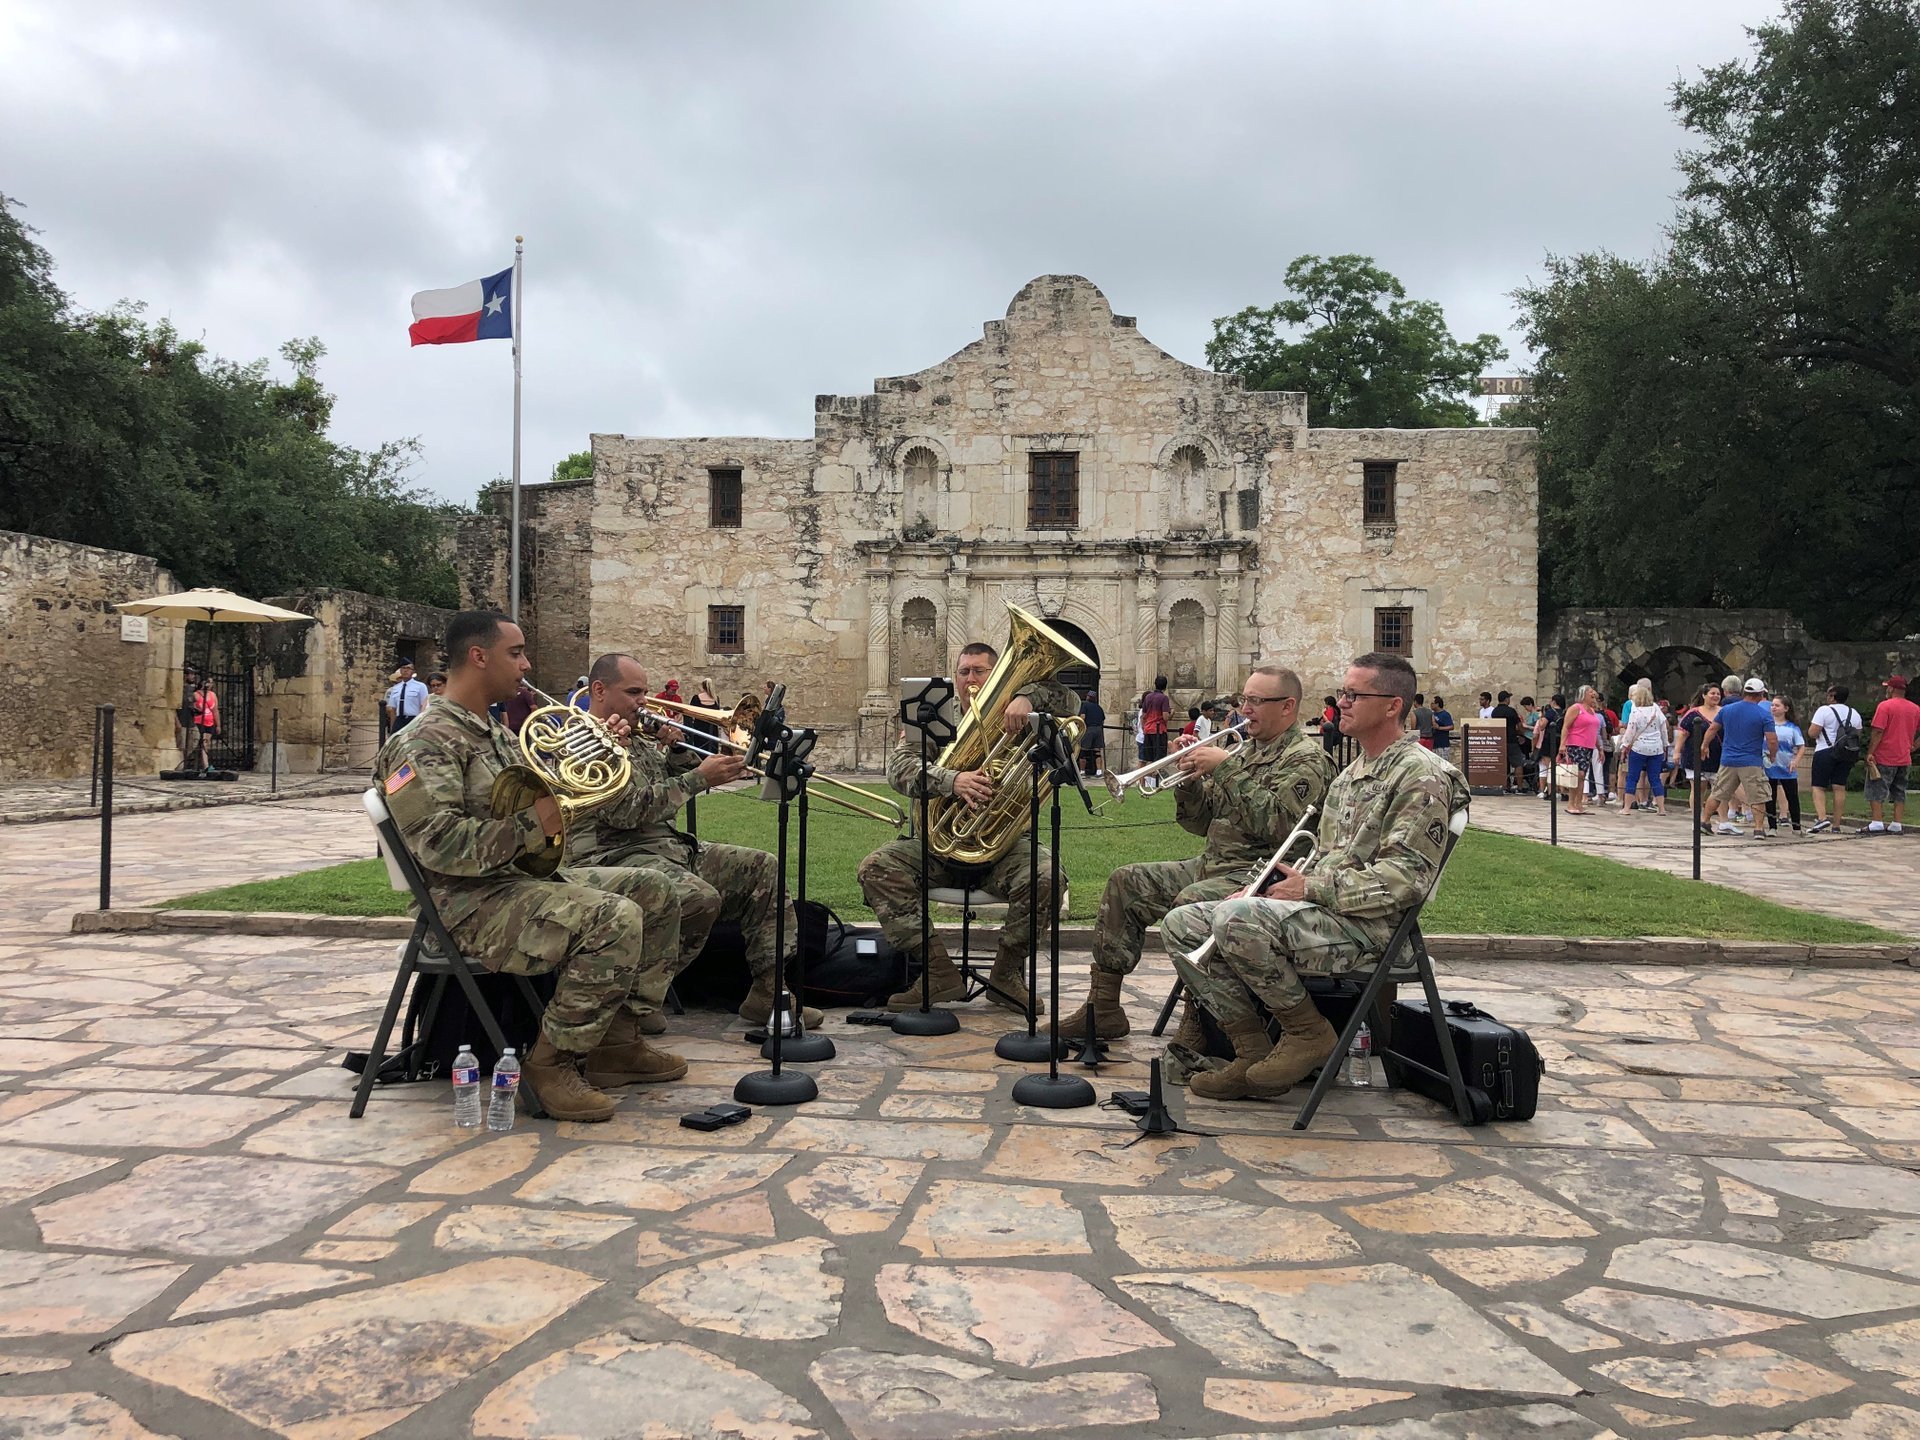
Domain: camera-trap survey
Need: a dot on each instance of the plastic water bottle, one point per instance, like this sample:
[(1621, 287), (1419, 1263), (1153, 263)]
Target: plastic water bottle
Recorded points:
[(506, 1085), (1360, 1058), (466, 1089)]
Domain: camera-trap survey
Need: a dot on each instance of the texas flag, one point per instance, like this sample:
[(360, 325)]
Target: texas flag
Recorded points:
[(477, 310)]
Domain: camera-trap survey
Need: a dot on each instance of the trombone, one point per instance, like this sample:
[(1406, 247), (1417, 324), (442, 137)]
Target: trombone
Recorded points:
[(1259, 882), (822, 786), (1146, 777)]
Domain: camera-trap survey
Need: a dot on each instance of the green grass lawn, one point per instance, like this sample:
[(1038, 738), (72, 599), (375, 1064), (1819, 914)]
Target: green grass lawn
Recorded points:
[(1496, 884)]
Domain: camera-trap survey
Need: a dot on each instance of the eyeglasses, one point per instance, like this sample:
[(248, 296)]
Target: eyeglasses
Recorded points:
[(1246, 700), (1347, 697)]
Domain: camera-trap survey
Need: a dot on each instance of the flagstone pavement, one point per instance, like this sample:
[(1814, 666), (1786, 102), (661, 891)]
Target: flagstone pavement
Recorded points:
[(1711, 1228)]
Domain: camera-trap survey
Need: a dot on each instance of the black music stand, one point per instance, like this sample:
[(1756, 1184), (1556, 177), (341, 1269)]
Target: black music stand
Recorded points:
[(1053, 1091), (923, 712), (787, 768), (1030, 1045)]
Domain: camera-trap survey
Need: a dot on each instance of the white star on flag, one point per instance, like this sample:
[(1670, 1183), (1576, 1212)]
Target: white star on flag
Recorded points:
[(493, 305)]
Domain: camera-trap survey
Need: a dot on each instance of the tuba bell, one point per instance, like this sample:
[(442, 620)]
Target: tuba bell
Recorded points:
[(964, 836), (569, 757)]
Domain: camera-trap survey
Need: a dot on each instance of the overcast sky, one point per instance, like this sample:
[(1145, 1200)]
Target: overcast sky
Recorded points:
[(731, 207)]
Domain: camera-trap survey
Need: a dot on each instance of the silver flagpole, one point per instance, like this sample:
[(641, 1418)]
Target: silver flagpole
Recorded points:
[(513, 554)]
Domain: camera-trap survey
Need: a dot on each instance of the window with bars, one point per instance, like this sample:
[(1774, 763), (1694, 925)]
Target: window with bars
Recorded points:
[(723, 499), (726, 629), (1053, 491), (1380, 479), (1393, 630)]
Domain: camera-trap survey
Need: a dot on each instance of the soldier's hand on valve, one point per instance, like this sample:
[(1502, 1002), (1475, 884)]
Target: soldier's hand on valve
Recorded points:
[(1287, 884), (721, 769), (973, 787), (1201, 759), (1014, 718), (619, 728)]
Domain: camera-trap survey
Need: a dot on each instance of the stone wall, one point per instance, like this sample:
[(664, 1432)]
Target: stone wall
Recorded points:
[(556, 547), (1680, 649), (65, 654), (327, 679), (1212, 527)]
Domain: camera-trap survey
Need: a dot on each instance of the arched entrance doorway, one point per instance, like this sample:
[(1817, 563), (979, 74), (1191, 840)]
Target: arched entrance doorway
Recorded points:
[(1079, 678), (1676, 672)]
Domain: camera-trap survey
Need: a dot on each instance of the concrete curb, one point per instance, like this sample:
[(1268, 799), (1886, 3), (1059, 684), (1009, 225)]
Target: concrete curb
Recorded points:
[(1640, 950), (183, 802)]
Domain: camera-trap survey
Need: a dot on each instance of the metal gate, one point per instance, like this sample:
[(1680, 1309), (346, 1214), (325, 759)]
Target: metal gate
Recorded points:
[(234, 749)]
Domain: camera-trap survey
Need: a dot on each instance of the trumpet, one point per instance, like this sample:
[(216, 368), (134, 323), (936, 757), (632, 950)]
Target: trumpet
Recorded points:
[(1259, 882), (1147, 778), (822, 786)]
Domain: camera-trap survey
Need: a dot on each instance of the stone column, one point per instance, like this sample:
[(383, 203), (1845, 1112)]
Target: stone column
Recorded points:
[(959, 607), (1228, 656), (877, 709), (1146, 624)]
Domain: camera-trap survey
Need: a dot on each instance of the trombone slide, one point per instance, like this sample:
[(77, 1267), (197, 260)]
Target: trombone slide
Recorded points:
[(1259, 882)]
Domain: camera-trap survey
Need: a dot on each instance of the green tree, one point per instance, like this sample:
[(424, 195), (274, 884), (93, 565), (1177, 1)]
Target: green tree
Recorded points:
[(577, 466), (1365, 355), (116, 432), (1749, 400)]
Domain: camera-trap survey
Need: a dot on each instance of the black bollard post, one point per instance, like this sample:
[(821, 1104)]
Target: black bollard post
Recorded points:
[(1696, 795), (104, 714), (93, 790), (275, 761)]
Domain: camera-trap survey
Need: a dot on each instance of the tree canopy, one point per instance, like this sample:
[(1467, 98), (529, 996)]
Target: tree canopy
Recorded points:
[(1365, 355), (116, 431), (1737, 421)]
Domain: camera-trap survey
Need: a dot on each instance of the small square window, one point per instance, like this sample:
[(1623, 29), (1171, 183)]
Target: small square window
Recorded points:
[(1380, 479), (723, 499), (1249, 509), (1393, 631), (726, 629), (1053, 491)]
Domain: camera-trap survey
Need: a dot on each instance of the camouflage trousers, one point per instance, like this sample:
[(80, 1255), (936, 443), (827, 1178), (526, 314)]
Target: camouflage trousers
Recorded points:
[(1261, 947), (1138, 895), (890, 880), (605, 947), (726, 882)]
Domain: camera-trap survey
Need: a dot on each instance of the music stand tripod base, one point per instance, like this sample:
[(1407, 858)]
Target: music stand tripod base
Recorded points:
[(1052, 1092), (789, 1087)]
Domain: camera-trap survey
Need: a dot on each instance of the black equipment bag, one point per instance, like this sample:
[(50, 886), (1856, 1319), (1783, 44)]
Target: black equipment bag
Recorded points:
[(425, 1049), (718, 978), (1334, 996), (844, 964), (1499, 1063)]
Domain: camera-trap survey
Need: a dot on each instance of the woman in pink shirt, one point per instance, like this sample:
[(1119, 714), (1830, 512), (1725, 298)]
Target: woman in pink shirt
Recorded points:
[(1582, 735)]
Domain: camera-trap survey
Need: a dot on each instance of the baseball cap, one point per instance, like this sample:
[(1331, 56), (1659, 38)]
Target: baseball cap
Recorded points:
[(1755, 686), (1898, 682)]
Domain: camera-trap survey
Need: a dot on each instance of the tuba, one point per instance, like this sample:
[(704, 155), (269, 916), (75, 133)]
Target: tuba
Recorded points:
[(979, 837), (569, 757)]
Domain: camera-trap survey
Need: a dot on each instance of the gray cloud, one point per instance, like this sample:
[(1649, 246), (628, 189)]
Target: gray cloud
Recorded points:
[(731, 207)]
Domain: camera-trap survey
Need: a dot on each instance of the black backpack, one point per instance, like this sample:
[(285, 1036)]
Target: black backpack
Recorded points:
[(843, 964), (1846, 736)]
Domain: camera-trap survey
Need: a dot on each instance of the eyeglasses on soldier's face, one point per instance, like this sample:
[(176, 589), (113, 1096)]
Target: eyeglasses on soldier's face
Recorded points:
[(1246, 700), (1347, 697)]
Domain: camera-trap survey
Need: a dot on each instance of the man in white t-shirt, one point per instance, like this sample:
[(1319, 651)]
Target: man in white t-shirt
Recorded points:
[(1832, 763)]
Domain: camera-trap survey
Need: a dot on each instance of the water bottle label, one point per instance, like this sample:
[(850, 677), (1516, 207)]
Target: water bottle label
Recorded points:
[(504, 1082), (466, 1075)]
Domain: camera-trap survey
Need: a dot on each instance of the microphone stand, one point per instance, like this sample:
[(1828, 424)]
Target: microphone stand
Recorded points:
[(1052, 1091), (788, 769), (922, 711), (1030, 1046)]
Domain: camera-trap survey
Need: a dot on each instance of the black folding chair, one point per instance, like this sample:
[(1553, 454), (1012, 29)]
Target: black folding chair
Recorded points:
[(1404, 958), (443, 962)]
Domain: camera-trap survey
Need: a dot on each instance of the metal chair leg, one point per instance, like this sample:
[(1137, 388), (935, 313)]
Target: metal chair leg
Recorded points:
[(1166, 1010)]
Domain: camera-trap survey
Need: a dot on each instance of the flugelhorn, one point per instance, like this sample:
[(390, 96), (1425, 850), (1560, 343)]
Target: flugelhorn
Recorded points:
[(823, 787), (1146, 778), (569, 757), (1259, 882)]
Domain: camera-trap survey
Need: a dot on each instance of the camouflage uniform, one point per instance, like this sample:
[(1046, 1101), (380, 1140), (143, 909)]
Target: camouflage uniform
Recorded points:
[(1245, 808), (609, 933), (708, 881), (1381, 836), (890, 876)]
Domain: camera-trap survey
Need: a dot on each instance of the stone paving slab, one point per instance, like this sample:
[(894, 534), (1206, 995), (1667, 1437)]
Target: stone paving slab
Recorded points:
[(1699, 1235), (31, 802)]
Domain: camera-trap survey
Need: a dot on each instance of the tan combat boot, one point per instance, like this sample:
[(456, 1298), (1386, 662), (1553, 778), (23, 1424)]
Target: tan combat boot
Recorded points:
[(623, 1057), (1103, 994), (554, 1077), (757, 1008), (1250, 1046), (1009, 982), (945, 978), (1190, 1032), (1307, 1042)]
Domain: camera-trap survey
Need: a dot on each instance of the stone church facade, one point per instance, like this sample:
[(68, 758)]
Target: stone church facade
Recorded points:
[(1167, 519)]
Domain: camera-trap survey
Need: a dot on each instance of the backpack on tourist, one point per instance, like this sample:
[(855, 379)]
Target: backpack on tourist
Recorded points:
[(1846, 733)]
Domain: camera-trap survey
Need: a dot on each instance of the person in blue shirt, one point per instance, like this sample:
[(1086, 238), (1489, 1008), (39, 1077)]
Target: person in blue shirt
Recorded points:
[(1747, 743), (1782, 769), (1442, 728)]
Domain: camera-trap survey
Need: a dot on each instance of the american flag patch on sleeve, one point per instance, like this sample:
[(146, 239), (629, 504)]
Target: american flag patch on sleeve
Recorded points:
[(401, 777)]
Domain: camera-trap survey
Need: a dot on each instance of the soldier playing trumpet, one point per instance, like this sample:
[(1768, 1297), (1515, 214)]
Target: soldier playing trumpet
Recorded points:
[(1243, 801), (709, 881)]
